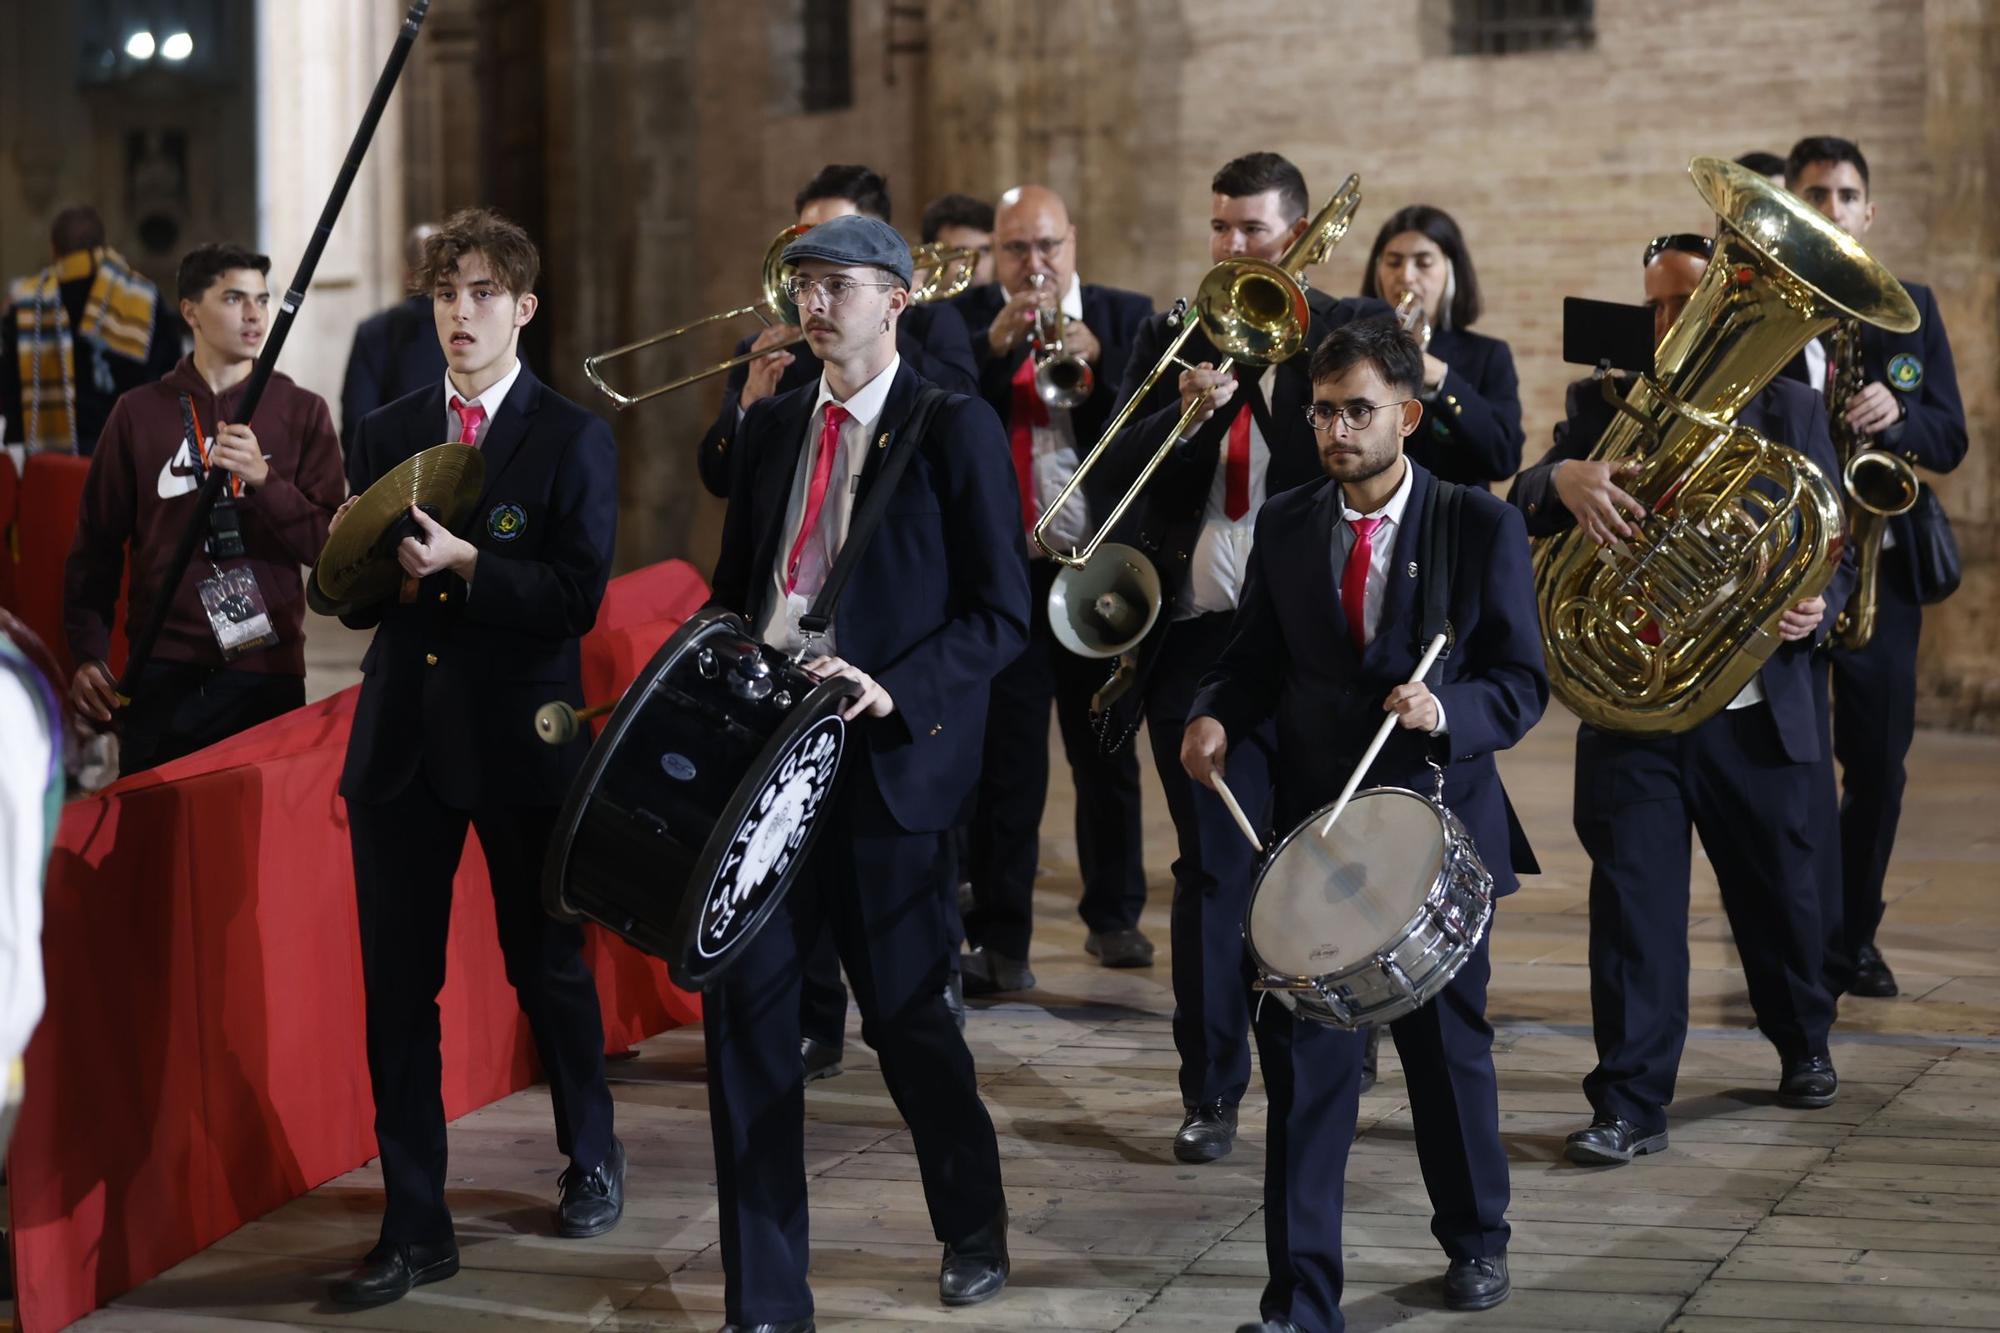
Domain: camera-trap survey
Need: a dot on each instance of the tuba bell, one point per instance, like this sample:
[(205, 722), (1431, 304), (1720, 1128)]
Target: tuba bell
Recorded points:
[(1659, 633)]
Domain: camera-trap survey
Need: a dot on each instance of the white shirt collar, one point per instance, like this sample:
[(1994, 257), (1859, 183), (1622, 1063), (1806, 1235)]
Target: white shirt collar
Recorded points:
[(864, 404), (1393, 508), (496, 392)]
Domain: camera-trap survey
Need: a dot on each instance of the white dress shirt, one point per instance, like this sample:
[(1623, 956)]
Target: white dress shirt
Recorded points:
[(1222, 549), (496, 394), (1381, 556), (782, 610), (1056, 459)]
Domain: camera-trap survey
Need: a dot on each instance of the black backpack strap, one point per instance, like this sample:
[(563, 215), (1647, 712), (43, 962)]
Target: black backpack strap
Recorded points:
[(869, 516), (1440, 556)]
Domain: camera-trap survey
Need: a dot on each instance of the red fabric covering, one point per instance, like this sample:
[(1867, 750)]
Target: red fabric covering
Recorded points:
[(51, 490), (201, 1061)]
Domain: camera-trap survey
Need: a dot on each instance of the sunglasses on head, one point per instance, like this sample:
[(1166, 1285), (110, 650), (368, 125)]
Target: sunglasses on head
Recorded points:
[(1686, 242)]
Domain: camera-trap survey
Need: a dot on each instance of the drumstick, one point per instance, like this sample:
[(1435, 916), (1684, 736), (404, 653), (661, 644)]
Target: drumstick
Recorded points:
[(1381, 738), (1235, 811)]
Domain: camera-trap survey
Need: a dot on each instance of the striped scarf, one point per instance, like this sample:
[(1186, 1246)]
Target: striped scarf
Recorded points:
[(117, 321)]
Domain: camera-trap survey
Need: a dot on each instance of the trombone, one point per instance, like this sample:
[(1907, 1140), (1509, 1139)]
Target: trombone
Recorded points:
[(940, 272), (1254, 312), (1062, 378)]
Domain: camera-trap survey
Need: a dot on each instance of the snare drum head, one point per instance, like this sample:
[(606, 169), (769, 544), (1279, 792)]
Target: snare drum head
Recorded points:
[(1324, 904)]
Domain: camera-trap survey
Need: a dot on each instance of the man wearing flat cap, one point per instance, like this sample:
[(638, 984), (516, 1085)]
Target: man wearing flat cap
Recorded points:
[(936, 605)]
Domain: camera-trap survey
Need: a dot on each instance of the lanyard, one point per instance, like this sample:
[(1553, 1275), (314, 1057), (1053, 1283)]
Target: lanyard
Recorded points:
[(191, 423)]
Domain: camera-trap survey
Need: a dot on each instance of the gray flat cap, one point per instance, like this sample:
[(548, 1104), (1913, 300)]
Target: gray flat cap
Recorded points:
[(855, 239)]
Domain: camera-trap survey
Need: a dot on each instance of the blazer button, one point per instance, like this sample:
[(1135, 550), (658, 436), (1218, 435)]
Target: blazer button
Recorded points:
[(430, 659), (937, 728), (1534, 505), (444, 596)]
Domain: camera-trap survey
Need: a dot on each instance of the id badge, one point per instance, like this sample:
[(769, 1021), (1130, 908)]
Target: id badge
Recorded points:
[(236, 613)]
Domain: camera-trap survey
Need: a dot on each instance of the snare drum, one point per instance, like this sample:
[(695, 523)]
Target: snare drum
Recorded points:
[(701, 798), (1368, 923)]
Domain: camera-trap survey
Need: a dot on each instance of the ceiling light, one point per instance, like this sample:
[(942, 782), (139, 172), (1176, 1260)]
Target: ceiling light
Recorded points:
[(178, 46), (140, 45)]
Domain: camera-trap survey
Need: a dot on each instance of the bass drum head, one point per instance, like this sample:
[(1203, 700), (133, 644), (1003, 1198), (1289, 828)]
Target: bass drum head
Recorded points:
[(1324, 905)]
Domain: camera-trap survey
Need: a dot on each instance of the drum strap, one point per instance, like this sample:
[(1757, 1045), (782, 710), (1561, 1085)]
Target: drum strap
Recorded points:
[(869, 516), (1440, 556)]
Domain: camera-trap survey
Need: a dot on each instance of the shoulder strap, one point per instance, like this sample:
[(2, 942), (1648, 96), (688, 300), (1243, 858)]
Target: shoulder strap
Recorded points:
[(929, 399), (1440, 557)]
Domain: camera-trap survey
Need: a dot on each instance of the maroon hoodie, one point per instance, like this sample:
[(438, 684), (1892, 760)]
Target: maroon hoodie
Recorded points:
[(141, 491)]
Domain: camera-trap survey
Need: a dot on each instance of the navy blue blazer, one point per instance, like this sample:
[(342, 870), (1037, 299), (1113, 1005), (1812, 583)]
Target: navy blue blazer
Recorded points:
[(1289, 654), (1919, 371), (395, 353), (453, 677), (930, 338), (1783, 412), (938, 603), (1471, 431)]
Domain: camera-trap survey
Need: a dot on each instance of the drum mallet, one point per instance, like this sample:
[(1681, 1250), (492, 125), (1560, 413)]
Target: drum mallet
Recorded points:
[(557, 723)]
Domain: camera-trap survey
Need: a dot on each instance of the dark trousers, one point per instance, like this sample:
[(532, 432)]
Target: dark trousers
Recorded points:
[(405, 853), (1312, 1073), (180, 707), (876, 894), (1874, 721), (1825, 824), (1014, 786), (1636, 800), (823, 996), (1212, 872)]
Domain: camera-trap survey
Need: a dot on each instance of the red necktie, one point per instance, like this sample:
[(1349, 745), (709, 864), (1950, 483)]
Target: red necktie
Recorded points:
[(829, 446), (1354, 580), (1029, 412), (470, 415), (1236, 475)]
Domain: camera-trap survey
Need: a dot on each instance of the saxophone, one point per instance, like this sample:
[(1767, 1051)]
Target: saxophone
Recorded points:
[(1658, 633), (1875, 483)]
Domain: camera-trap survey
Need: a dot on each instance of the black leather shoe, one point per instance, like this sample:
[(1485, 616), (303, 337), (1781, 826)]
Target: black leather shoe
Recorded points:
[(1119, 948), (989, 973), (795, 1326), (1476, 1284), (954, 998), (1872, 976), (1809, 1083), (1207, 1133), (1611, 1140), (592, 1201), (821, 1058), (974, 1269), (389, 1271), (1368, 1058)]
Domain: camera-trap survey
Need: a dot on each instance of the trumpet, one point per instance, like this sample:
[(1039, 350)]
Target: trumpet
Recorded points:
[(1062, 378), (939, 272), (1255, 313), (1410, 314)]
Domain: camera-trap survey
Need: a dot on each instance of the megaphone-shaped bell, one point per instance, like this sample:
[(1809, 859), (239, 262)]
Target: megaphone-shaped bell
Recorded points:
[(1109, 605)]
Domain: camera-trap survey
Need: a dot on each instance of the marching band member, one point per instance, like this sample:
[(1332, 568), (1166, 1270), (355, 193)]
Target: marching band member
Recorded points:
[(1744, 780), (1472, 398), (486, 629), (1252, 441), (937, 604), (1032, 236), (1909, 402), (964, 223), (1324, 641)]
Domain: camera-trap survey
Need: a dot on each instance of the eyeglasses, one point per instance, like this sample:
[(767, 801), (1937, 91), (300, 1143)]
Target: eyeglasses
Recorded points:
[(1356, 415), (1687, 242), (836, 289), (1048, 247)]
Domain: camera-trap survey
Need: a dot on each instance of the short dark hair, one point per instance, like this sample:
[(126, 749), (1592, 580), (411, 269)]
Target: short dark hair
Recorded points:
[(76, 228), (1763, 163), (1439, 226), (1380, 340), (509, 252), (954, 210), (204, 265), (861, 186), (1254, 173), (1824, 148)]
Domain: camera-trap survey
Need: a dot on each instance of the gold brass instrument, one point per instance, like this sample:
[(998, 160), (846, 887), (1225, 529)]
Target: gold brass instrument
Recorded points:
[(939, 273), (1062, 378), (1659, 633), (1876, 484), (1255, 313), (1410, 314)]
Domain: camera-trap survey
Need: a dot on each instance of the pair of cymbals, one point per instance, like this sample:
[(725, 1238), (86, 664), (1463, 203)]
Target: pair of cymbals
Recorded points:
[(358, 566)]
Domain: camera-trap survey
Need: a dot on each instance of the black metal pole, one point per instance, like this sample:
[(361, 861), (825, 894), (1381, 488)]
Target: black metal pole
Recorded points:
[(288, 309)]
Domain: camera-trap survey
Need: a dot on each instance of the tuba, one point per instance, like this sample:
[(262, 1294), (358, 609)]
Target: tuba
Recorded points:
[(1876, 484), (1659, 633)]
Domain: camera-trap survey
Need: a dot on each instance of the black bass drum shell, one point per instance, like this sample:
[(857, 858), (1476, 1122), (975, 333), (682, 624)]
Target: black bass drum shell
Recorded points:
[(701, 799)]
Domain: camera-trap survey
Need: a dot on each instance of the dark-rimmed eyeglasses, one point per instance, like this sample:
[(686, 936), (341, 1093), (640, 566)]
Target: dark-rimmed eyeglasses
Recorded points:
[(1356, 415), (1687, 242), (1048, 247)]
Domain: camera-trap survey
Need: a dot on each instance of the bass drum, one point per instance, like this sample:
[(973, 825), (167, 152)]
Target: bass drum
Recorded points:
[(700, 799), (1370, 922)]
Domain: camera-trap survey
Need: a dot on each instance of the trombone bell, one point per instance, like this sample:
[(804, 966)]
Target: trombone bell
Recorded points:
[(1108, 606)]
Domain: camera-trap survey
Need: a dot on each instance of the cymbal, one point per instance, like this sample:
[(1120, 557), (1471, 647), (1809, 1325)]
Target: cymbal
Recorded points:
[(358, 564)]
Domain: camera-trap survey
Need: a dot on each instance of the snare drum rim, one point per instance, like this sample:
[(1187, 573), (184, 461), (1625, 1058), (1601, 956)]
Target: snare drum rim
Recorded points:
[(1277, 849)]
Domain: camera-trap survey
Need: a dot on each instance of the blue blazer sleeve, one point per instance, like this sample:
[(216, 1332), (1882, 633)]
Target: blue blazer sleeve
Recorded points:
[(1506, 686), (1932, 431), (1480, 416)]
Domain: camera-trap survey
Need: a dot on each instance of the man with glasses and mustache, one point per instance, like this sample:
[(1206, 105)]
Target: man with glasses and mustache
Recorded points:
[(1324, 642), (1035, 264), (937, 604), (1746, 780)]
